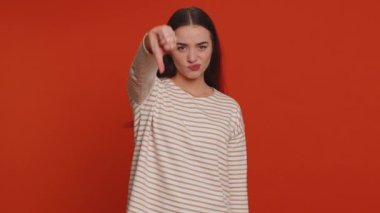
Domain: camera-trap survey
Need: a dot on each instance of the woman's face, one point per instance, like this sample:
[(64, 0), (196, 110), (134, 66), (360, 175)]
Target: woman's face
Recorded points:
[(193, 52)]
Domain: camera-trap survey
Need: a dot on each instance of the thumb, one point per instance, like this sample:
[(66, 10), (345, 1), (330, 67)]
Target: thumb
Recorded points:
[(159, 56), (160, 61)]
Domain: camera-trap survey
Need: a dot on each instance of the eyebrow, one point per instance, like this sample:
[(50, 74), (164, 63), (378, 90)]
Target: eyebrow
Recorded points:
[(200, 43)]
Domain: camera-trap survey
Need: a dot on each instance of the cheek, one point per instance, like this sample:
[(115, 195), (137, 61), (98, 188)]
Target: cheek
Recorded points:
[(207, 53), (207, 57)]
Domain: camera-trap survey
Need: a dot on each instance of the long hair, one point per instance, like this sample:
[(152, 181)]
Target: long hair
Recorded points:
[(196, 16)]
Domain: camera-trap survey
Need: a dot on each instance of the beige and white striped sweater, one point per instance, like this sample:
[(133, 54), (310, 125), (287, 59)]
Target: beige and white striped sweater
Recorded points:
[(190, 152)]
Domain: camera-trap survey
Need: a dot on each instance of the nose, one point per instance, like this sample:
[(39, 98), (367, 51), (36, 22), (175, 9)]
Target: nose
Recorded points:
[(191, 56)]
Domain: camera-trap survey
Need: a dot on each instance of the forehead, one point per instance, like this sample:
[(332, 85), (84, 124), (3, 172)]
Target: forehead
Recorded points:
[(192, 34)]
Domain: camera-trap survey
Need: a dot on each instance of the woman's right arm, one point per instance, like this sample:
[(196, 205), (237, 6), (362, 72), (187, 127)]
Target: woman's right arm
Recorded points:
[(157, 42)]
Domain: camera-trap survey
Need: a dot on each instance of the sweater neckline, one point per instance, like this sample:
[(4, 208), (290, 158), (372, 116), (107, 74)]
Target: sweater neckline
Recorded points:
[(190, 95)]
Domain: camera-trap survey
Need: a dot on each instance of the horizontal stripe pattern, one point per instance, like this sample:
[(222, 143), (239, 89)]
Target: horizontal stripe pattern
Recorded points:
[(190, 152)]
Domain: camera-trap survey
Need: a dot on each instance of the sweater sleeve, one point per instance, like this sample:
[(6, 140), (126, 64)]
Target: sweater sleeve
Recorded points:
[(142, 75), (237, 168)]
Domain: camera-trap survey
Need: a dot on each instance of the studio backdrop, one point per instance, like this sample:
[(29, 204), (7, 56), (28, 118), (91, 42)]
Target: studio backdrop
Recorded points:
[(306, 74)]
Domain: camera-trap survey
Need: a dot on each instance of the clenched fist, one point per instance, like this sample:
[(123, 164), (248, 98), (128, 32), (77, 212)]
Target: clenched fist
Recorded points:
[(160, 41)]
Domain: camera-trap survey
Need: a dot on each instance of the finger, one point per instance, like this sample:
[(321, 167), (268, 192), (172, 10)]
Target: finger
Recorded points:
[(170, 45), (167, 38), (162, 39), (159, 56), (160, 63)]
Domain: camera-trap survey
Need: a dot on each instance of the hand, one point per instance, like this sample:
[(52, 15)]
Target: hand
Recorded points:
[(159, 41)]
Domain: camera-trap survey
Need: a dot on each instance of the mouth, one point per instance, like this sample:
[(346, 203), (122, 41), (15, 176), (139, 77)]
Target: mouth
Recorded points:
[(194, 67)]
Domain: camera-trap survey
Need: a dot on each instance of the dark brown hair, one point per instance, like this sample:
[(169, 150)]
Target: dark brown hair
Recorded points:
[(196, 16)]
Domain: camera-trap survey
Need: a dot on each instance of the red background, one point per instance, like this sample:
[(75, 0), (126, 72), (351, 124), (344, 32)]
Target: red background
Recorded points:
[(306, 74)]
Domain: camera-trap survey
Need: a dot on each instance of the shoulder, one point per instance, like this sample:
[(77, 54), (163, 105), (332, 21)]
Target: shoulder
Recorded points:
[(235, 112), (228, 101), (236, 121)]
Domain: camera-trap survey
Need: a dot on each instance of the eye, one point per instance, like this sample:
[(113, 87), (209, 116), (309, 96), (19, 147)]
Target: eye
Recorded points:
[(181, 48), (202, 47)]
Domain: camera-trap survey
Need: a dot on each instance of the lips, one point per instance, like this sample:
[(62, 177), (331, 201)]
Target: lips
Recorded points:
[(194, 67)]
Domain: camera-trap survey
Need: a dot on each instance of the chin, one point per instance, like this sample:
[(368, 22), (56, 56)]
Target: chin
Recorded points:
[(193, 76)]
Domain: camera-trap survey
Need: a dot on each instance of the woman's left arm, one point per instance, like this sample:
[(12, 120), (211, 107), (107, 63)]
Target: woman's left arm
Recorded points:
[(237, 168)]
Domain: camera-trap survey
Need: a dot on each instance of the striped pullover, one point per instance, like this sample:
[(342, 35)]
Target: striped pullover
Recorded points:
[(190, 152)]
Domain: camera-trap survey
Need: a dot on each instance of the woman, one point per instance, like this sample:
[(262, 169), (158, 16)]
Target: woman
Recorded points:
[(190, 151)]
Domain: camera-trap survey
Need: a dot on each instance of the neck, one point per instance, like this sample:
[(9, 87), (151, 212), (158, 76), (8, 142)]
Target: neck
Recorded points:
[(196, 87)]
